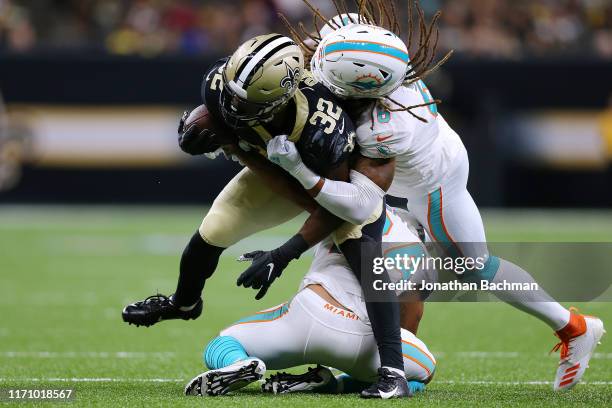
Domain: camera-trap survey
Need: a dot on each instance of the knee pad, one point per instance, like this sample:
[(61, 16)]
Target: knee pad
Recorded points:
[(223, 351), (419, 363)]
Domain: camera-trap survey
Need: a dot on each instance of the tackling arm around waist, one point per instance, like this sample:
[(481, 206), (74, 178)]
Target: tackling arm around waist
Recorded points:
[(355, 201)]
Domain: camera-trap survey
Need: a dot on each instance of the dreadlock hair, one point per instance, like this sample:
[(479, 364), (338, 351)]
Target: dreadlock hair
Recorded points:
[(381, 13)]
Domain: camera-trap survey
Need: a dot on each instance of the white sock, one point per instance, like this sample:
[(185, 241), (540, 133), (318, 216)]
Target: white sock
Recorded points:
[(536, 303), (187, 308), (184, 308), (396, 371)]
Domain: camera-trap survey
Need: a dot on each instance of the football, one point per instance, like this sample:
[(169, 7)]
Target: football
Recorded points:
[(200, 117), (207, 127)]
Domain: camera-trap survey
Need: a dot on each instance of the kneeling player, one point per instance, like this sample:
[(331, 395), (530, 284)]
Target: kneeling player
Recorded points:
[(325, 323)]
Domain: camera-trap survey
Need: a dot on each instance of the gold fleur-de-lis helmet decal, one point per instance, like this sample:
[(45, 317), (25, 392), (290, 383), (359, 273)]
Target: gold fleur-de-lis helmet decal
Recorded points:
[(292, 78)]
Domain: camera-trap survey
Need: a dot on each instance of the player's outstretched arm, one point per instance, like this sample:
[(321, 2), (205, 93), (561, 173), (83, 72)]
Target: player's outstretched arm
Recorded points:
[(266, 266), (352, 201)]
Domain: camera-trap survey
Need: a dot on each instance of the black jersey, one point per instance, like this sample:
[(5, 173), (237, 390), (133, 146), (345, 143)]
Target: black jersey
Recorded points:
[(322, 132)]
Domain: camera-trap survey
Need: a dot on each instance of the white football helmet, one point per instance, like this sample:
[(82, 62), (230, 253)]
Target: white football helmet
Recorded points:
[(361, 61)]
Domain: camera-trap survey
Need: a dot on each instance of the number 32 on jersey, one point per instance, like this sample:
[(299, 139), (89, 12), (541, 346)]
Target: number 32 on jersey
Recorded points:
[(327, 114)]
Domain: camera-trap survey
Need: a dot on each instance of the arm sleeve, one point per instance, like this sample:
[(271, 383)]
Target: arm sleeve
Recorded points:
[(353, 202)]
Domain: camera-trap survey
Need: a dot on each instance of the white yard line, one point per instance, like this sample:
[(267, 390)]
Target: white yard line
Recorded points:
[(85, 354), (179, 380), (486, 354), (479, 382), (169, 354), (95, 379), (506, 354)]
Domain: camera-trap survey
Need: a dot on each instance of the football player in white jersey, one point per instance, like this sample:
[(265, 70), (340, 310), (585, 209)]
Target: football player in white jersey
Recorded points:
[(396, 117), (325, 323)]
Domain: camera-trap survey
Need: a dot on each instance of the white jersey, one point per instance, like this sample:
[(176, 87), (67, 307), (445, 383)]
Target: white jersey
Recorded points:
[(331, 270), (424, 151)]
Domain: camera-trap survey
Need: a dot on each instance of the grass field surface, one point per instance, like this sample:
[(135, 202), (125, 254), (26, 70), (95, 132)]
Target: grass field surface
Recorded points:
[(66, 273)]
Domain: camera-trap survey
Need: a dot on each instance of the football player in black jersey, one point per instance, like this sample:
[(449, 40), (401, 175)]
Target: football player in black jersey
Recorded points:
[(260, 92)]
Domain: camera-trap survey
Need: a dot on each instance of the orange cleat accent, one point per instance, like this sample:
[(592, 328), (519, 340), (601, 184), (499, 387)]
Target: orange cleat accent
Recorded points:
[(574, 328), (578, 340)]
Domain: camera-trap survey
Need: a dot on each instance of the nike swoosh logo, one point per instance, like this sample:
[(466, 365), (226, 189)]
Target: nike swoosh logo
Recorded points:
[(387, 395), (341, 129), (383, 138), (271, 266)]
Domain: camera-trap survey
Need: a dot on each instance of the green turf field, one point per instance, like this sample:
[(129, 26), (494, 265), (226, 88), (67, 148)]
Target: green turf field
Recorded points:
[(66, 273)]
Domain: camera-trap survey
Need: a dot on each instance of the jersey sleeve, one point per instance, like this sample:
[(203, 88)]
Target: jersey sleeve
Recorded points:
[(323, 152), (381, 136)]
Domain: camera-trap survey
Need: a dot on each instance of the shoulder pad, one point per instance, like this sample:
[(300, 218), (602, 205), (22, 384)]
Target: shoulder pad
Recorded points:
[(212, 84), (328, 137), (321, 152)]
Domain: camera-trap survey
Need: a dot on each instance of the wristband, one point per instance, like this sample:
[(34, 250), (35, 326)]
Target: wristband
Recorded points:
[(291, 249), (307, 178)]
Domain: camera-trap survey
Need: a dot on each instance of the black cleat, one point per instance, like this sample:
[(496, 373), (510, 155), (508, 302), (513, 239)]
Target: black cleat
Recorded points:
[(281, 383), (389, 385), (226, 379), (156, 308)]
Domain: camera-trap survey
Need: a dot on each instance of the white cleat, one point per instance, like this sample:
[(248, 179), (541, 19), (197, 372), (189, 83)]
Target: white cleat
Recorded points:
[(282, 383), (227, 379), (576, 353)]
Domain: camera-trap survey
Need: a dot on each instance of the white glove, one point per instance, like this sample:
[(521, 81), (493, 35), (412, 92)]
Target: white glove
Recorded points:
[(284, 153)]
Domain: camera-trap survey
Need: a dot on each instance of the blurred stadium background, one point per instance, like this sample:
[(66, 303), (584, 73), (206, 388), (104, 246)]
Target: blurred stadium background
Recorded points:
[(93, 90)]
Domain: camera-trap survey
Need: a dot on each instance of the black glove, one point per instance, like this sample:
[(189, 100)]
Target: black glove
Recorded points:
[(193, 141), (268, 265)]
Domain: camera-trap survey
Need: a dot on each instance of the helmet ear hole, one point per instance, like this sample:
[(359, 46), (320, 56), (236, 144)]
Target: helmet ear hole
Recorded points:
[(360, 65), (384, 74)]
